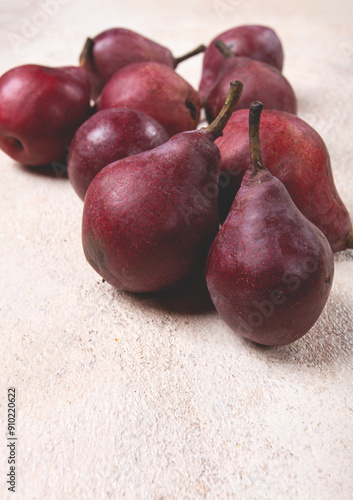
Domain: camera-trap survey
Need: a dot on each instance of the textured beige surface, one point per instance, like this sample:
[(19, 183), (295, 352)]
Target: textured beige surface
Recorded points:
[(156, 398)]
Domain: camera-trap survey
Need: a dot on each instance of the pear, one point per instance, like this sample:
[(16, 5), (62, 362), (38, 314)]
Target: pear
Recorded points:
[(115, 48), (40, 110), (255, 41), (270, 270), (262, 81), (296, 154), (109, 135), (158, 91), (149, 219)]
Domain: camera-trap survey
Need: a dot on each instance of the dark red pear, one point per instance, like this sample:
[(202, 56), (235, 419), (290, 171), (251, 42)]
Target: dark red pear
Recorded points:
[(158, 91), (115, 48), (262, 81), (296, 154), (270, 270), (40, 110), (257, 42), (149, 220), (109, 135)]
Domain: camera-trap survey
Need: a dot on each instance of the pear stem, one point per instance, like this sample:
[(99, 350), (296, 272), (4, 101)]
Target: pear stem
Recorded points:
[(218, 124), (86, 54), (254, 136), (349, 240), (198, 50), (224, 49)]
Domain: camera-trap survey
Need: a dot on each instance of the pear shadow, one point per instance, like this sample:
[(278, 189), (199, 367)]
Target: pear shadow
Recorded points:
[(191, 298), (329, 341), (58, 171)]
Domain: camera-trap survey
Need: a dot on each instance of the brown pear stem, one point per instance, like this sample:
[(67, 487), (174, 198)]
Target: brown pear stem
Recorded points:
[(86, 54), (349, 240), (224, 49), (198, 50), (254, 136), (218, 124)]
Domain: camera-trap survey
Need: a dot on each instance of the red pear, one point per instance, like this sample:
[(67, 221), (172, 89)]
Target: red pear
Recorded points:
[(156, 90), (149, 220), (40, 110), (262, 81), (257, 42), (296, 154), (109, 135), (115, 48), (270, 270)]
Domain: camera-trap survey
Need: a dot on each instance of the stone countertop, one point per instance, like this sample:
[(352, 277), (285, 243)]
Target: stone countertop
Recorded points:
[(120, 396)]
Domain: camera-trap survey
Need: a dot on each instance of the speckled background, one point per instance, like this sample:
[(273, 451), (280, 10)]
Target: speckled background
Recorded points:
[(121, 396)]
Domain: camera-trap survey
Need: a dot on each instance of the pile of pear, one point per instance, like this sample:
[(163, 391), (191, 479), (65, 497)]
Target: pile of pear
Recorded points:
[(249, 199)]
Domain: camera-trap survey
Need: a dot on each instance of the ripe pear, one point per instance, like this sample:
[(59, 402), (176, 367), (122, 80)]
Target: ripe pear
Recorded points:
[(270, 270), (262, 81), (294, 153), (149, 219), (115, 48), (158, 91), (257, 42), (109, 135), (40, 110)]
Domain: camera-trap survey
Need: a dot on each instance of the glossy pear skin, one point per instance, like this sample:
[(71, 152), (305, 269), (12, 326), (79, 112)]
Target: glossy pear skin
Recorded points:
[(261, 82), (269, 271), (156, 90), (40, 110), (294, 153), (257, 42), (110, 135), (117, 47), (147, 224)]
